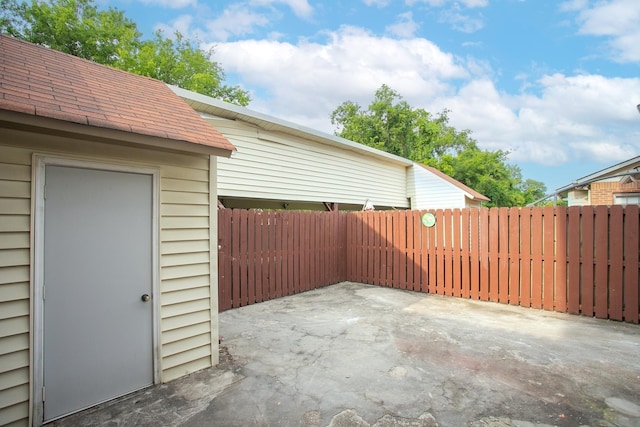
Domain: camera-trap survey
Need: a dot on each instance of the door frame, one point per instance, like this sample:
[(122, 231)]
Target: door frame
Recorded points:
[(37, 295)]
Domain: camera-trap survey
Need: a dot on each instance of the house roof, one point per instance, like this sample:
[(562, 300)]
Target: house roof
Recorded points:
[(42, 82), (218, 108), (601, 174), (469, 192)]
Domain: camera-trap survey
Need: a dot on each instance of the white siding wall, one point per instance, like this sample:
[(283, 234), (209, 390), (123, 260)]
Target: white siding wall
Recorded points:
[(186, 320), (429, 191), (269, 165), (578, 198)]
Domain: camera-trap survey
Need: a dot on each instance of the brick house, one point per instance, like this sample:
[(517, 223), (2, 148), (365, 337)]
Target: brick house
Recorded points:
[(618, 184)]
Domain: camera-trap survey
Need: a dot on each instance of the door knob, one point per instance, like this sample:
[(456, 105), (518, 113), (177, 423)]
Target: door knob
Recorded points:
[(145, 297)]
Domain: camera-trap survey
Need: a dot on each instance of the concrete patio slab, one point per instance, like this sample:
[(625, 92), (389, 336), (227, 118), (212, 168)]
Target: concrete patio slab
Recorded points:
[(359, 355)]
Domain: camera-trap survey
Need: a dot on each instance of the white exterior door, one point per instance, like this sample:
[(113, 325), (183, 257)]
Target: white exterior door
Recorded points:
[(97, 322)]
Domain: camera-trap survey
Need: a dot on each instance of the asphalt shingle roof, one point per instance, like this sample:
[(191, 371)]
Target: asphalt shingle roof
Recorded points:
[(43, 82)]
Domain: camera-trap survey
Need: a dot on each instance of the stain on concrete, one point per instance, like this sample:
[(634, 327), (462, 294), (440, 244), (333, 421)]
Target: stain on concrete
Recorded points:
[(357, 355)]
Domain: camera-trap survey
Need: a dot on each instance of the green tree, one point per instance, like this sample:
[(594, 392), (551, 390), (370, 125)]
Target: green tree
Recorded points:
[(392, 125), (488, 173), (108, 37), (73, 26), (180, 63)]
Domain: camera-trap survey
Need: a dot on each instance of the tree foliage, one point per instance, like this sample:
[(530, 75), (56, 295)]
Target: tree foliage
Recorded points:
[(108, 37), (75, 27), (180, 63), (392, 125)]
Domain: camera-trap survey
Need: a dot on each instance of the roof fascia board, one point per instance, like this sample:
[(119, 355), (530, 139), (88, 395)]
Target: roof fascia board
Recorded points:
[(467, 191), (41, 124), (216, 107)]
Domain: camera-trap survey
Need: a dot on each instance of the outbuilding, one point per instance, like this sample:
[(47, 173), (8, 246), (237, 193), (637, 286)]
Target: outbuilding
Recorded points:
[(282, 165), (433, 189), (108, 234)]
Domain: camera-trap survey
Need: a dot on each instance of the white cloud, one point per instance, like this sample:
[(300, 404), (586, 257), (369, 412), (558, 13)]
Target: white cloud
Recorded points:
[(438, 3), (588, 117), (378, 3), (307, 81), (618, 20), (405, 26), (455, 13), (475, 3), (236, 20), (460, 21), (574, 5), (574, 117), (181, 24), (300, 8), (172, 4), (556, 119)]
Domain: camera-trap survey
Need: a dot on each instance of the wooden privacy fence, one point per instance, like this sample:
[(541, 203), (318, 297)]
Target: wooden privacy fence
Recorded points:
[(581, 260), (270, 254), (577, 260)]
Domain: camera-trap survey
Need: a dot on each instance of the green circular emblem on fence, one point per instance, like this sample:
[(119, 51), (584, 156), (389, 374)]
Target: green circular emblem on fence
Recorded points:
[(428, 219)]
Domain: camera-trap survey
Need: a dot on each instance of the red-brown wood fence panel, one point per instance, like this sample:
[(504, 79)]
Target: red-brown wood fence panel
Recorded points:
[(580, 260), (264, 255)]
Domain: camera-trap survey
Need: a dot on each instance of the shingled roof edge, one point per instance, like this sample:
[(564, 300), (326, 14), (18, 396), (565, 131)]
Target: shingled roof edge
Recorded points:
[(135, 104)]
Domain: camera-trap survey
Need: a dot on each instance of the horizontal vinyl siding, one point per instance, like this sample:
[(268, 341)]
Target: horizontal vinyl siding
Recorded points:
[(184, 274), (433, 192), (278, 167), (184, 316), (15, 211)]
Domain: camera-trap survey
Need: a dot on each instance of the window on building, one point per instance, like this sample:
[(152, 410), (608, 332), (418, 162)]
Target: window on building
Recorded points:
[(626, 199)]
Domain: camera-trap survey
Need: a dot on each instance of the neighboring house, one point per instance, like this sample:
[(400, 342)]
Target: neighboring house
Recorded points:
[(616, 185), (282, 165), (107, 201), (432, 189)]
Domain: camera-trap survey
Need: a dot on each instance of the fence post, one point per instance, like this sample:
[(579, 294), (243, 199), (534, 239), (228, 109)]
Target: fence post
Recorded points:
[(561, 258), (631, 281), (602, 261), (616, 243), (548, 258), (525, 257)]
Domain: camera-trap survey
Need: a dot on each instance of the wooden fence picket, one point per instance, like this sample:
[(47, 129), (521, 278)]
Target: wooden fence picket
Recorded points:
[(536, 258), (574, 245), (456, 253), (631, 279), (514, 256), (561, 259), (616, 262), (465, 255), (484, 254), (224, 259), (601, 273), (475, 254), (580, 260), (548, 261), (503, 255), (586, 288), (525, 257)]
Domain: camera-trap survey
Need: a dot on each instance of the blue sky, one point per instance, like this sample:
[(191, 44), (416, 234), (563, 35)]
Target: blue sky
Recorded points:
[(556, 83)]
